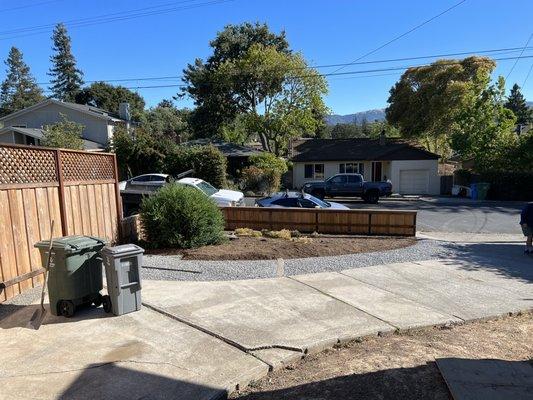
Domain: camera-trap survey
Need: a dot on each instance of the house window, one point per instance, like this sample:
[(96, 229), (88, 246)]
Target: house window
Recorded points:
[(314, 171), (352, 168)]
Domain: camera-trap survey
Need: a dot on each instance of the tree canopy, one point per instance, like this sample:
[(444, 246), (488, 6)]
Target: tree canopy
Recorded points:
[(19, 90), (108, 97), (67, 79), (166, 120), (64, 134), (517, 104)]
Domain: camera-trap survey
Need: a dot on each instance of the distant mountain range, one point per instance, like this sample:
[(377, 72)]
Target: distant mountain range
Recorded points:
[(370, 116)]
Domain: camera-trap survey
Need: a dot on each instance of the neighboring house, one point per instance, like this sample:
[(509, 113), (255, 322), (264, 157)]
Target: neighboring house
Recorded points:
[(26, 126), (236, 154), (411, 170)]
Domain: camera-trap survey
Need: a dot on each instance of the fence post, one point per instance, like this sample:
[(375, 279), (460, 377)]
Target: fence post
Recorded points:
[(118, 199), (370, 223), (62, 207)]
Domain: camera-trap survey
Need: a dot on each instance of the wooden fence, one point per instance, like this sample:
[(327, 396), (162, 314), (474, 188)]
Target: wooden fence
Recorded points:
[(355, 222), (76, 189)]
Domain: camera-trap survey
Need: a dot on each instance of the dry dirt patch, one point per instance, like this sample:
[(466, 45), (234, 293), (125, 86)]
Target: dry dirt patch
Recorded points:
[(262, 248), (396, 366)]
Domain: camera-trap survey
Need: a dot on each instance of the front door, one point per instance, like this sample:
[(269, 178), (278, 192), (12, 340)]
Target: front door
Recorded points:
[(377, 169)]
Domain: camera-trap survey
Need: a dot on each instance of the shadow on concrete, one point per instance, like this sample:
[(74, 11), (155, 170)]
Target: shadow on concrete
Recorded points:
[(18, 316), (420, 382), (504, 259), (118, 381)]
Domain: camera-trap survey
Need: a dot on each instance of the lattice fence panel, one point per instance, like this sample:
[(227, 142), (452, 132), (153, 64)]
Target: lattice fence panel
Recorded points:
[(23, 165), (87, 167)]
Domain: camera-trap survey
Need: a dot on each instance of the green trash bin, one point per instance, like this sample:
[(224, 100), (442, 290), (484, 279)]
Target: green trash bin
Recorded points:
[(75, 274), (482, 190)]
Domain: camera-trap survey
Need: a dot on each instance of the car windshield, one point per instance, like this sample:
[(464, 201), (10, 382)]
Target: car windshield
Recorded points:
[(321, 203), (207, 188)]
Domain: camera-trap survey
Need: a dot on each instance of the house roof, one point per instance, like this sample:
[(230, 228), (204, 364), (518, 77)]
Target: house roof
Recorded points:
[(38, 134), (355, 149), (89, 110), (226, 148)]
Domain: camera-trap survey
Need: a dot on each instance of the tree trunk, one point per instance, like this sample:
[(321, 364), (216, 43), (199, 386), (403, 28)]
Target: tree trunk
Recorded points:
[(264, 142)]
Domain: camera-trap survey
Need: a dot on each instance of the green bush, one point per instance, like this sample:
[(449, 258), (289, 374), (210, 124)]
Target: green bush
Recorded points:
[(178, 216), (268, 161), (260, 181), (208, 163)]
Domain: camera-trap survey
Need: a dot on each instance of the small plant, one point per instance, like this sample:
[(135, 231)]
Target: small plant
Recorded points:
[(247, 232), (282, 234), (178, 216)]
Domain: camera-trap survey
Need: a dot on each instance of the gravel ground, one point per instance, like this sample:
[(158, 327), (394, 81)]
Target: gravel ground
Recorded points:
[(174, 268)]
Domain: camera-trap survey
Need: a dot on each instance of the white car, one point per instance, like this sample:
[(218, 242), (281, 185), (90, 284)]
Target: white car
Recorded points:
[(145, 182), (223, 197)]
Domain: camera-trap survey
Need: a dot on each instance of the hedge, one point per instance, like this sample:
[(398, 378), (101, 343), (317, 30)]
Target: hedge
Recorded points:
[(504, 185)]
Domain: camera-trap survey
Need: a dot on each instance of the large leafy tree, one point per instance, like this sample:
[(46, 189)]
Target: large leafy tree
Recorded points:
[(426, 101), (517, 104), (63, 134), (108, 97), (484, 127), (166, 120), (213, 97), (19, 90), (277, 94), (67, 79)]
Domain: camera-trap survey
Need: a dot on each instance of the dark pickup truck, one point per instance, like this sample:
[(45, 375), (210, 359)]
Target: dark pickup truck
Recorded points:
[(349, 185)]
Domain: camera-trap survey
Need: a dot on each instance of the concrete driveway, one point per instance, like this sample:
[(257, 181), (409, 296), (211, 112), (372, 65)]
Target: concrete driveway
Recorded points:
[(454, 215)]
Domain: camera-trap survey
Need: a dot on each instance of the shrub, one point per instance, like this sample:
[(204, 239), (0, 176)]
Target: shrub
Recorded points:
[(208, 163), (180, 216), (268, 161), (258, 180), (63, 134), (282, 234)]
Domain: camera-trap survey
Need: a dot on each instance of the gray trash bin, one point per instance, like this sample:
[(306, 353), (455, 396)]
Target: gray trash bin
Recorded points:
[(123, 275)]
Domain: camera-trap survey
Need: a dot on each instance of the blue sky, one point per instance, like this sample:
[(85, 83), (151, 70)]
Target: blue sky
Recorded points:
[(325, 31)]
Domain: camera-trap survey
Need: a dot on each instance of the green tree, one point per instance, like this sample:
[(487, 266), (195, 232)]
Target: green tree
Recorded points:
[(64, 134), (345, 131), (108, 97), (67, 79), (213, 97), (19, 90), (484, 127), (425, 103), (166, 120), (517, 104), (277, 94)]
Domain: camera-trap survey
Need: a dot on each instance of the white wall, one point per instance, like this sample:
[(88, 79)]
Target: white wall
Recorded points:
[(95, 129), (332, 168), (430, 165)]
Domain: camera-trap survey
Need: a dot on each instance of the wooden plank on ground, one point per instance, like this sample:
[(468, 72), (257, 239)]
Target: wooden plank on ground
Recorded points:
[(487, 379)]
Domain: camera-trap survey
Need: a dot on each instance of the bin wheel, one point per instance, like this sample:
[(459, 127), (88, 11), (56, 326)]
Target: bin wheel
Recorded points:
[(66, 308), (98, 300), (106, 301)]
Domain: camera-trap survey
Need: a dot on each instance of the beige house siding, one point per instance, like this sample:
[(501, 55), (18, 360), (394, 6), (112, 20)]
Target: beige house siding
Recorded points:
[(95, 129), (390, 170)]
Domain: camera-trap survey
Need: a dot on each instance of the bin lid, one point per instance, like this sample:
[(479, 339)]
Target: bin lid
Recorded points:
[(73, 244), (122, 249)]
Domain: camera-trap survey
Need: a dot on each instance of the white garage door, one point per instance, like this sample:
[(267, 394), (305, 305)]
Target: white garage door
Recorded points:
[(414, 181)]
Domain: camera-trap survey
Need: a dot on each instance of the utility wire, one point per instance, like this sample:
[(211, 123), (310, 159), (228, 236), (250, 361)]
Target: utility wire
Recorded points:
[(179, 77), (527, 76), (28, 6), (514, 65), (405, 33)]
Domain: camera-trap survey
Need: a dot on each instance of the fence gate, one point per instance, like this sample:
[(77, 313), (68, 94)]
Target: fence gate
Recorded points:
[(76, 189)]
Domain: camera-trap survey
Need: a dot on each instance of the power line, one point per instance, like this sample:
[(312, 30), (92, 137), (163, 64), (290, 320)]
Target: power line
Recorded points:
[(399, 68), (28, 6), (501, 51), (527, 76), (405, 33), (514, 65), (108, 18)]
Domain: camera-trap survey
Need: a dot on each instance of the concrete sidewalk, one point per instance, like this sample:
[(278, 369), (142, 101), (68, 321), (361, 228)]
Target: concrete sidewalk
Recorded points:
[(200, 340)]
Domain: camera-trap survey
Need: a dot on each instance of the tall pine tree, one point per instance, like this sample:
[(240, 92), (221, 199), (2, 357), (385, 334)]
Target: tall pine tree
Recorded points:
[(19, 90), (517, 104), (67, 78)]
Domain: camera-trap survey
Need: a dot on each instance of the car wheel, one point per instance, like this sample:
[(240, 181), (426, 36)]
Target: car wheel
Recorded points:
[(372, 197)]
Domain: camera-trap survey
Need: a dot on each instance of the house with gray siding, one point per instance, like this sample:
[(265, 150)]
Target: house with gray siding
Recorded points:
[(411, 169), (26, 126)]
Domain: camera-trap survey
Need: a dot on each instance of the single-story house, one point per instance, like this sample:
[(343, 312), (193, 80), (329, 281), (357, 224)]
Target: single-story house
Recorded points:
[(237, 155), (26, 126), (411, 169)]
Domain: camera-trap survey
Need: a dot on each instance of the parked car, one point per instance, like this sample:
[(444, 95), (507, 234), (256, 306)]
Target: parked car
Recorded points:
[(145, 182), (223, 197), (349, 185), (297, 199)]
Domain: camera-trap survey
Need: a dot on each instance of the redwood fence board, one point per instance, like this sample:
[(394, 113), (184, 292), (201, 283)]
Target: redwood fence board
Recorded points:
[(76, 189)]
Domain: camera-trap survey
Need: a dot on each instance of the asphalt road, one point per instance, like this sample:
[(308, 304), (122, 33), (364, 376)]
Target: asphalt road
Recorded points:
[(454, 215)]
